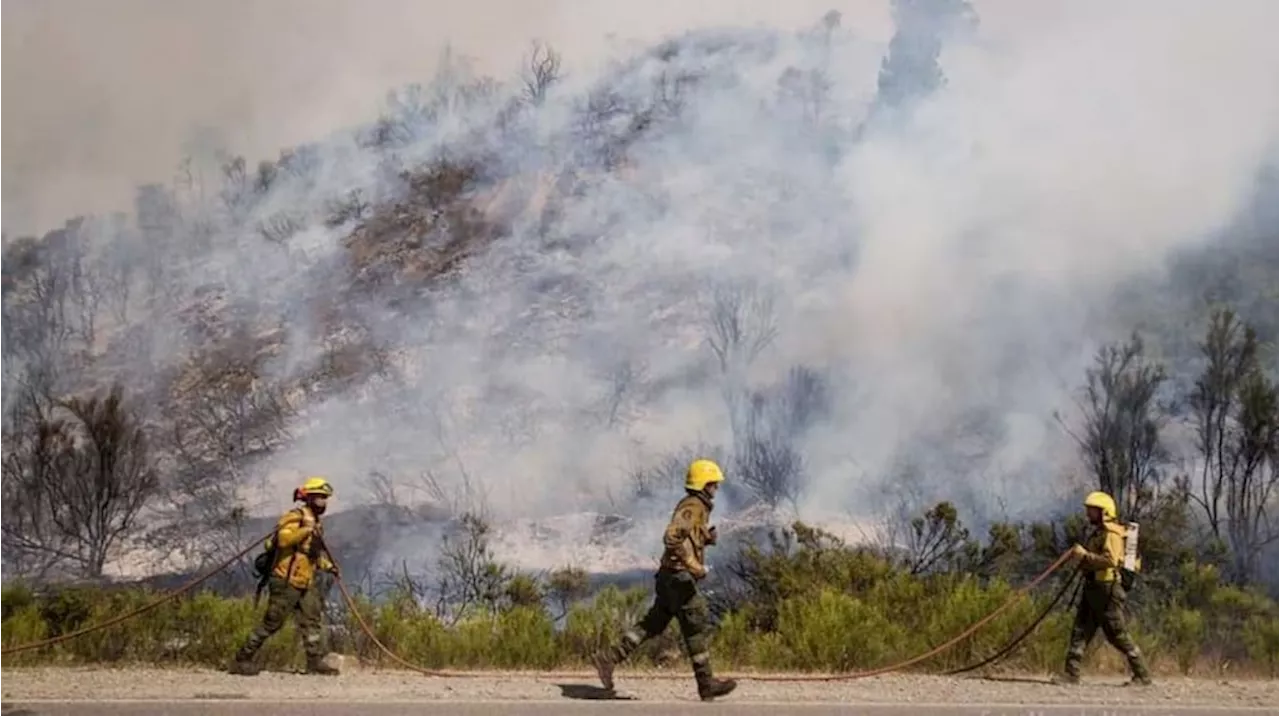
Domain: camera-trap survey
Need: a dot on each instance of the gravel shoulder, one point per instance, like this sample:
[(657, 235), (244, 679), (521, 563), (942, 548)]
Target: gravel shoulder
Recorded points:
[(149, 683)]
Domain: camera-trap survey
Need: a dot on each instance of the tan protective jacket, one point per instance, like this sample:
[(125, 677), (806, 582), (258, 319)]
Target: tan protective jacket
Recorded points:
[(687, 536)]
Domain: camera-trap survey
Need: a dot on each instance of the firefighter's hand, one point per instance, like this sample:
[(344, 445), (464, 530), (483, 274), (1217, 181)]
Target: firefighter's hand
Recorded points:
[(1078, 551), (337, 573), (711, 535)]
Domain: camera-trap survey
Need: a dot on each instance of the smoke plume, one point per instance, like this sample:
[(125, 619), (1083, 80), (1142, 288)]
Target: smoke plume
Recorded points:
[(882, 245)]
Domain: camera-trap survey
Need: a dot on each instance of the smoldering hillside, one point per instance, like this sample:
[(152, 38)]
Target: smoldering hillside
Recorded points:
[(863, 276)]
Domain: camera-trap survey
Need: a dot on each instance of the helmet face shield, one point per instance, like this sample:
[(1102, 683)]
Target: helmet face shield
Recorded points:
[(1103, 502), (314, 487), (702, 473)]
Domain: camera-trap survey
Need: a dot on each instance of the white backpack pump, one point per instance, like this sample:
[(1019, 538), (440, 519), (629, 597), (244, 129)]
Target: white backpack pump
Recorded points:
[(1132, 563)]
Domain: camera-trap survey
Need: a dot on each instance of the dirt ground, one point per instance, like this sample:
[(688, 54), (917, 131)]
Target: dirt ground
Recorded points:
[(149, 683)]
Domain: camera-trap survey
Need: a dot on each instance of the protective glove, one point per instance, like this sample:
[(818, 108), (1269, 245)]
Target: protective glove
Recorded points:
[(712, 537), (1078, 551)]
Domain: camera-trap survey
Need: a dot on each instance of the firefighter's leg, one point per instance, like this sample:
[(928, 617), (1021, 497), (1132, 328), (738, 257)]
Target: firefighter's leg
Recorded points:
[(694, 616), (281, 599), (1082, 631), (311, 626), (653, 623), (1117, 633)]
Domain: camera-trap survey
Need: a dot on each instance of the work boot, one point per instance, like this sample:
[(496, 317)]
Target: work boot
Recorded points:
[(1138, 667), (316, 665), (604, 669), (245, 662), (710, 689), (244, 667)]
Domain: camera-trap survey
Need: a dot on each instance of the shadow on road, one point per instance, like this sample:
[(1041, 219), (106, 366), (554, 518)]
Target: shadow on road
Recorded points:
[(1014, 680), (586, 692), (1046, 682)]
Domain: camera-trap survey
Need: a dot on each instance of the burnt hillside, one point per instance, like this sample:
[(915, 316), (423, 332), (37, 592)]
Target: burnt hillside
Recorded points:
[(864, 276)]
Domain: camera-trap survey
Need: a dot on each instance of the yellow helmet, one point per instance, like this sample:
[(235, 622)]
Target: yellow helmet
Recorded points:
[(1102, 501), (702, 473), (313, 486)]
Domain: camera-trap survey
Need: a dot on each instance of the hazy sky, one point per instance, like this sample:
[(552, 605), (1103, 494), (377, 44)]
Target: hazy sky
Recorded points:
[(101, 95), (1079, 144)]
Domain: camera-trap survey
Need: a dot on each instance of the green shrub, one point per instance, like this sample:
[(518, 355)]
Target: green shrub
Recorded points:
[(1262, 641), (1184, 629), (832, 631), (807, 602), (24, 626), (14, 598)]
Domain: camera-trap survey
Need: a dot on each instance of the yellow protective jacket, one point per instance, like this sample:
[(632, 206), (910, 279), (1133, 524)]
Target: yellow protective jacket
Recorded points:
[(1105, 552), (298, 553), (687, 536)]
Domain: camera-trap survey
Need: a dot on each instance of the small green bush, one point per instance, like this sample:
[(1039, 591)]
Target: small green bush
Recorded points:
[(1184, 630), (807, 603), (836, 632), (1262, 641)]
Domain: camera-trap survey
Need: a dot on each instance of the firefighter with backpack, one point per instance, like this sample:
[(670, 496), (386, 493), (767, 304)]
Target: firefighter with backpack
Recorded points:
[(288, 569), (1108, 560)]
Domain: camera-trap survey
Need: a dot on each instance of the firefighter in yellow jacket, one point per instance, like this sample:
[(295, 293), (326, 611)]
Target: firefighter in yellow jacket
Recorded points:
[(676, 590), (1103, 598), (292, 585)]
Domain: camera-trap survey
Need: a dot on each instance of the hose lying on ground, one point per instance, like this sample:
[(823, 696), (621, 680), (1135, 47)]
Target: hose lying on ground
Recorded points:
[(368, 631), (364, 626), (140, 610), (1023, 591), (1015, 642)]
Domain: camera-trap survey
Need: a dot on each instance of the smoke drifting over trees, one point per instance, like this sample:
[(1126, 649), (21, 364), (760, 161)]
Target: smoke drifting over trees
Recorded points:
[(858, 273)]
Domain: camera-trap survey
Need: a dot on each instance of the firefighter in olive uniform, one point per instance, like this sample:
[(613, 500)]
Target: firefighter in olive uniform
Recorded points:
[(1103, 598), (684, 543), (292, 587)]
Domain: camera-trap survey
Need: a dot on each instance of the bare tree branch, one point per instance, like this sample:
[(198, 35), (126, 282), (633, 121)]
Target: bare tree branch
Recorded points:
[(77, 475), (542, 69), (1122, 420), (1234, 408), (741, 324)]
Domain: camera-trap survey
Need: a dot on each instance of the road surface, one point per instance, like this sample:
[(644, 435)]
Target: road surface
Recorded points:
[(63, 691), (575, 708)]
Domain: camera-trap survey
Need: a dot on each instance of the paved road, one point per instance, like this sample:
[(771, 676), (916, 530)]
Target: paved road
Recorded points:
[(231, 707), (82, 691)]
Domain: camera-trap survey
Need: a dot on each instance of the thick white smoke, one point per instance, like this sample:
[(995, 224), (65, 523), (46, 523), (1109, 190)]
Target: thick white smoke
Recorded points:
[(945, 263)]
